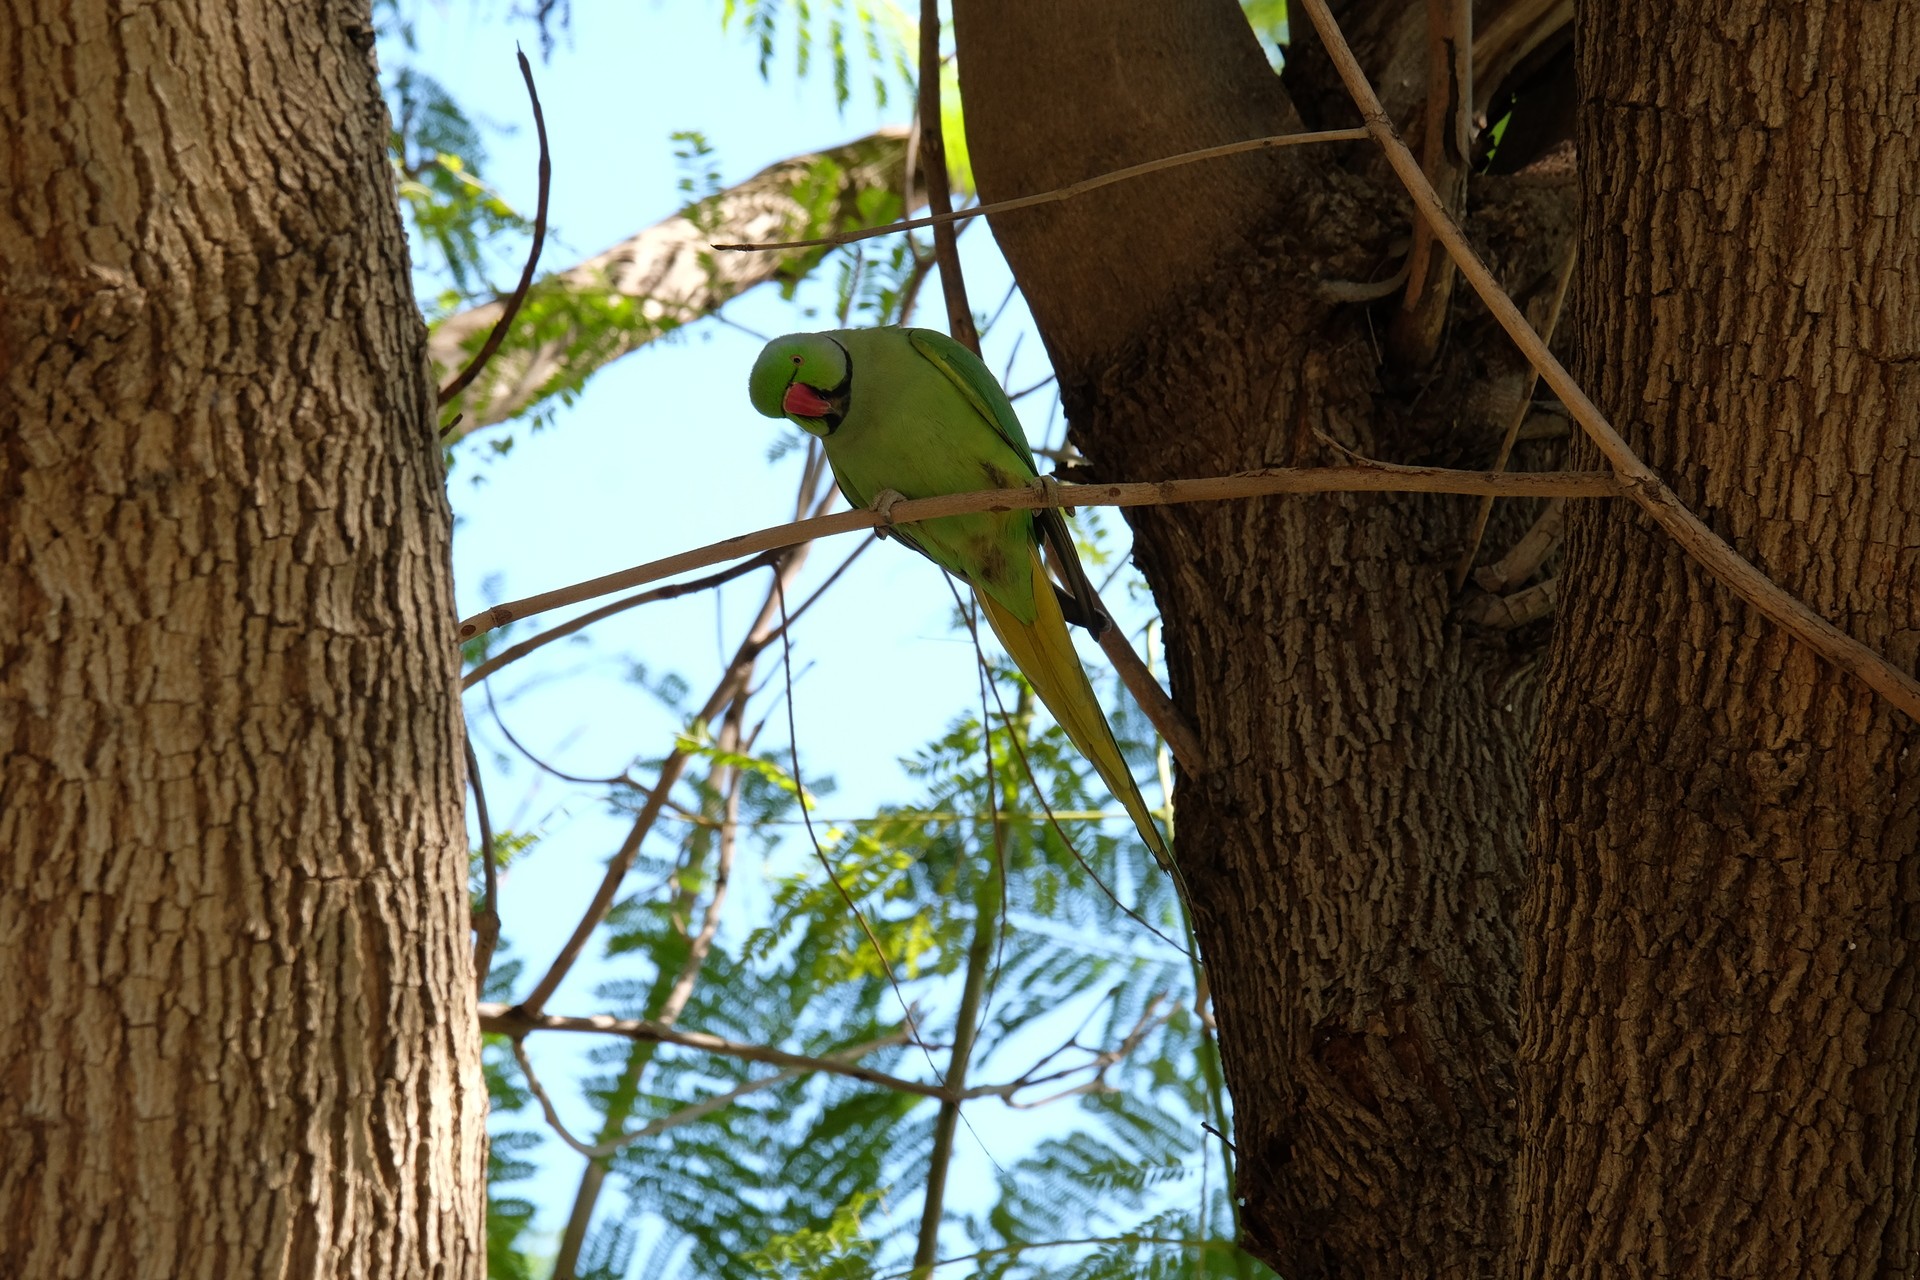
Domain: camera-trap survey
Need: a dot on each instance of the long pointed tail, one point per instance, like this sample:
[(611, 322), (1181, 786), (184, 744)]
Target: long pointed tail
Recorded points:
[(1044, 652)]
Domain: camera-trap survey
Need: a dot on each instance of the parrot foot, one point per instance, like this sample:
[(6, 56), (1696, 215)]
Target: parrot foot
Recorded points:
[(882, 505)]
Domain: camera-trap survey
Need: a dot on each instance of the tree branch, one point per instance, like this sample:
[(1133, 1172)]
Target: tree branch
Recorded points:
[(661, 278), (516, 1022), (1638, 481), (1375, 477), (933, 162)]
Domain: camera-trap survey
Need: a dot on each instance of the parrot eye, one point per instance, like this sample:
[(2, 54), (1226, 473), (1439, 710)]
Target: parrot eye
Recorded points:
[(795, 359)]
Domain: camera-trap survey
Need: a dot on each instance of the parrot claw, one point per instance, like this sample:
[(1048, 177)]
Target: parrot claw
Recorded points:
[(882, 505)]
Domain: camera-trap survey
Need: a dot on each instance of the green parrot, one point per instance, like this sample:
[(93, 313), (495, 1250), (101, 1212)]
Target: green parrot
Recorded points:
[(912, 413)]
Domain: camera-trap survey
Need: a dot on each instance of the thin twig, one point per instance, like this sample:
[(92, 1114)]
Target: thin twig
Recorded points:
[(1638, 481), (519, 295), (1372, 478), (1174, 727), (486, 924), (1067, 192), (669, 592), (516, 1022)]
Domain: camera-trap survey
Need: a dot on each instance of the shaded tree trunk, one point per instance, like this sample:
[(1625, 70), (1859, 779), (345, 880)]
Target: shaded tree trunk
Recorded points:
[(1355, 856), (1719, 1071), (237, 1034)]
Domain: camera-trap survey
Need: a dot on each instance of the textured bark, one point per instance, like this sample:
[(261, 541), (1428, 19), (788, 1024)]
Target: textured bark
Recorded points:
[(1720, 1070), (1355, 857), (667, 274), (237, 1030)]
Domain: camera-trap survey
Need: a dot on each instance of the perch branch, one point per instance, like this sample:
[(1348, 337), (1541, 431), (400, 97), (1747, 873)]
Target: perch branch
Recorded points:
[(1371, 478)]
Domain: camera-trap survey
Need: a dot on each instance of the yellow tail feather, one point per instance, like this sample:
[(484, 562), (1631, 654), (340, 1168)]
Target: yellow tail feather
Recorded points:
[(1043, 650)]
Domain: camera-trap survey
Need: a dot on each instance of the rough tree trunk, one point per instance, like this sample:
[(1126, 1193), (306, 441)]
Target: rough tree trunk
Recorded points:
[(1355, 854), (237, 1032), (1720, 1068)]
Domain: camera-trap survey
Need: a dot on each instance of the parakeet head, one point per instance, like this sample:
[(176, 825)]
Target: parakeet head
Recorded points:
[(804, 377)]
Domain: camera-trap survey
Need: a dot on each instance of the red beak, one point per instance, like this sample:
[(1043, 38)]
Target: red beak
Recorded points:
[(802, 401)]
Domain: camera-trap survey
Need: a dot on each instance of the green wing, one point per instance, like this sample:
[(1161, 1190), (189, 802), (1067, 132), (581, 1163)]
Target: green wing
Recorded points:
[(964, 370), (978, 385)]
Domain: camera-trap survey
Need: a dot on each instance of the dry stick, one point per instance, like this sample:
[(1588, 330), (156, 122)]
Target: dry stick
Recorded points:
[(933, 159), (1638, 481), (1058, 194), (519, 295), (1373, 478), (516, 1022), (487, 925), (1520, 413), (567, 628), (1150, 1018)]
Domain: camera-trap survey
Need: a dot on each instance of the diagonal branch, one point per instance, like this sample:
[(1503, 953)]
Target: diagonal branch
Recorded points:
[(1638, 481), (663, 277), (500, 1019)]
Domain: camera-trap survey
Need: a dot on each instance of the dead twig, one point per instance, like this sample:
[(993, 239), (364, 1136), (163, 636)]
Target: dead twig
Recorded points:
[(688, 1114), (519, 294), (669, 592), (1413, 336)]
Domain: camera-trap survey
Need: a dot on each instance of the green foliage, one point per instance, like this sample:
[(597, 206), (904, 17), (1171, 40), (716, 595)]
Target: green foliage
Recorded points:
[(839, 1251), (1268, 18), (882, 33)]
